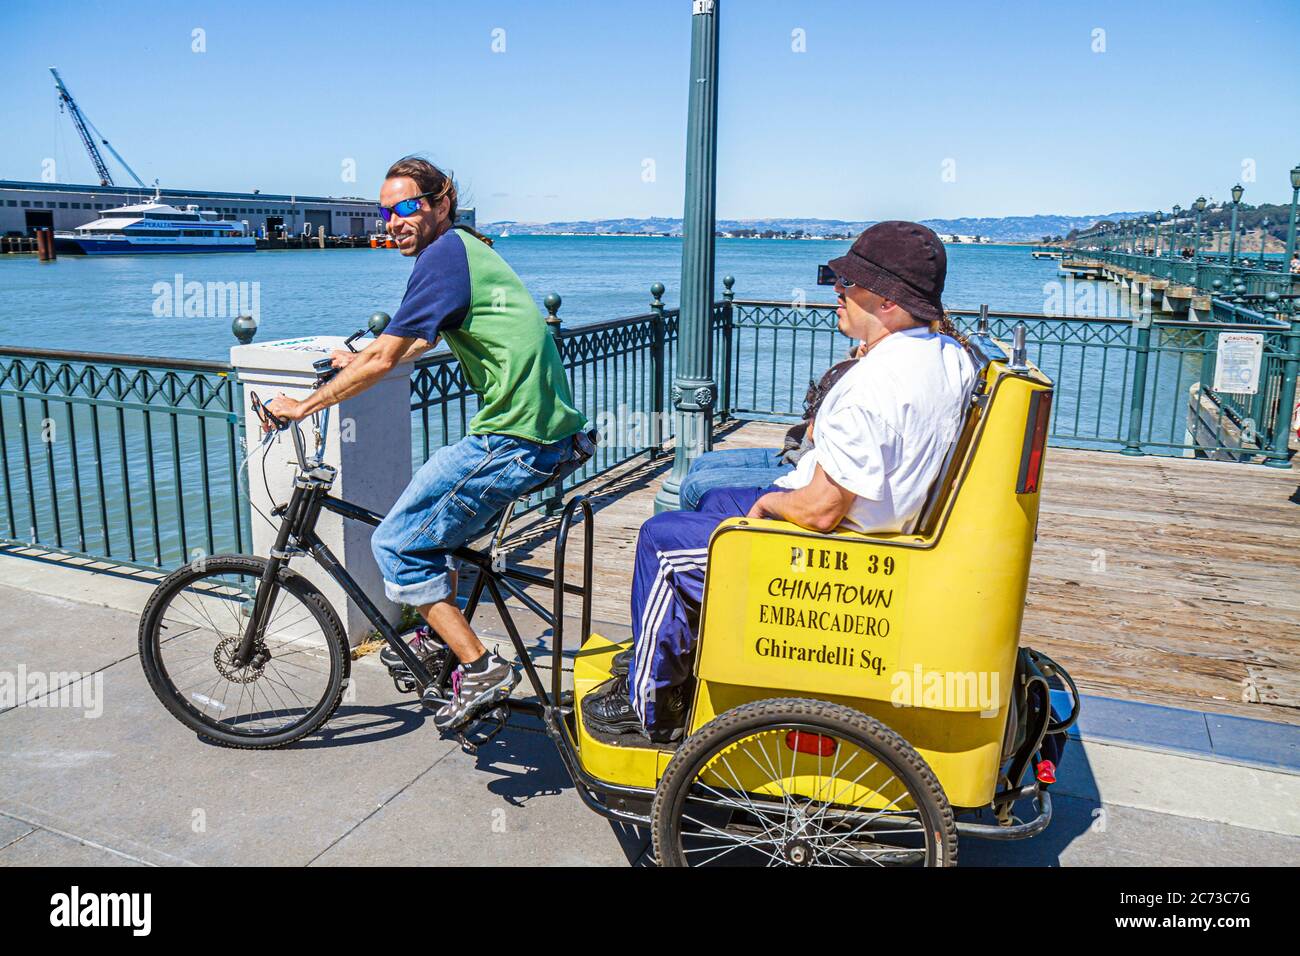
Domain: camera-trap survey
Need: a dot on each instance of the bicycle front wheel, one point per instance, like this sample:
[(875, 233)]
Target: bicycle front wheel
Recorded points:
[(191, 628)]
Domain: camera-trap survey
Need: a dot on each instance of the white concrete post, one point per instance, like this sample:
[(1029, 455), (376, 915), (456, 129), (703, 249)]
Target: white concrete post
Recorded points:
[(368, 441)]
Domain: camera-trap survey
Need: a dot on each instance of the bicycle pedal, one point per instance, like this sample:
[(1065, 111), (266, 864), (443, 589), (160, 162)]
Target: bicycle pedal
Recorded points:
[(431, 699), (482, 728), (404, 681)]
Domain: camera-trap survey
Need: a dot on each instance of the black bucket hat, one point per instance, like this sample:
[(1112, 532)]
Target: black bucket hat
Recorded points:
[(903, 261)]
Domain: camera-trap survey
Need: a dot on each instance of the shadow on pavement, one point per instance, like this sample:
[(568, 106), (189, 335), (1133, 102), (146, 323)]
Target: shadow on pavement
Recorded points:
[(1072, 817)]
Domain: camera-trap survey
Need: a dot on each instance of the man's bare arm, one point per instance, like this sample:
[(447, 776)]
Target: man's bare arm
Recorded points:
[(818, 506), (342, 358), (365, 369)]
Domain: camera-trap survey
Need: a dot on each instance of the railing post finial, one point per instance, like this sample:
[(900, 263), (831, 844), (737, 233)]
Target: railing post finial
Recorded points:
[(244, 327), (728, 292), (552, 303)]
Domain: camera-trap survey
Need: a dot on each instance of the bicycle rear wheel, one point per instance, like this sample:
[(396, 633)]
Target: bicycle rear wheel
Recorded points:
[(193, 624)]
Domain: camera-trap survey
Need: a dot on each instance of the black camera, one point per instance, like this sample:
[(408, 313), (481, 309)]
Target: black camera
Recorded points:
[(825, 275)]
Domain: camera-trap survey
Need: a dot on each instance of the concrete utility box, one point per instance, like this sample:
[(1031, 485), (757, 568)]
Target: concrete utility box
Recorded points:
[(369, 442)]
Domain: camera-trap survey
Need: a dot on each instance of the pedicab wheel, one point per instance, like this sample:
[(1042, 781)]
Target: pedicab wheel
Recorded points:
[(797, 782), (191, 627)]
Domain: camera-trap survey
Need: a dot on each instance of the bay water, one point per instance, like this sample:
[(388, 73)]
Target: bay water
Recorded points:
[(135, 305)]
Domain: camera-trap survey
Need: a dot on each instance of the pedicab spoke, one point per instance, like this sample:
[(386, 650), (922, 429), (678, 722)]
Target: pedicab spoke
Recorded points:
[(747, 807), (716, 856), (835, 767), (752, 808), (852, 783), (754, 844), (875, 790), (780, 781), (841, 839)]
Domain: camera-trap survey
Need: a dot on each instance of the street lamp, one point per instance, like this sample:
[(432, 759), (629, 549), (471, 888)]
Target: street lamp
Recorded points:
[(1290, 230), (1173, 232), (1199, 206), (1263, 238), (1159, 217), (1236, 201)]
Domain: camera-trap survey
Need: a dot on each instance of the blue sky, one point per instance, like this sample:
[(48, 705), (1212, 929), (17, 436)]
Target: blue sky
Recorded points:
[(1012, 100)]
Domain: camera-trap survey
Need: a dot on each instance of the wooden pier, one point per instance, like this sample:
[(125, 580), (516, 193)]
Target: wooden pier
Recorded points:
[(1165, 580)]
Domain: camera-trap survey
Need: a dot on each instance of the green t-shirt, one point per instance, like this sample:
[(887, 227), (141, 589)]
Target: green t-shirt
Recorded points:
[(463, 291)]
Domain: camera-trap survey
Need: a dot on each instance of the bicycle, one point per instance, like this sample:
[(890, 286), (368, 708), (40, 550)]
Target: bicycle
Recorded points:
[(252, 625)]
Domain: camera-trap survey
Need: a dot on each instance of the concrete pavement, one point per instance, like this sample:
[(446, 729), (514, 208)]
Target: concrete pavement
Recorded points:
[(110, 778)]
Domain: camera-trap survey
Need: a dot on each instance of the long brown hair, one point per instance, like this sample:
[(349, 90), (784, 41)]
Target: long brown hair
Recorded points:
[(432, 180), (945, 326)]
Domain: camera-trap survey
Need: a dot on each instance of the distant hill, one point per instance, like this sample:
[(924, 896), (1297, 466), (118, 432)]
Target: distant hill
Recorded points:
[(999, 229)]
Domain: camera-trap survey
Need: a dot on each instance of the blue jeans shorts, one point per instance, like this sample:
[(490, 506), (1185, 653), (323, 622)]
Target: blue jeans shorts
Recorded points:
[(449, 502)]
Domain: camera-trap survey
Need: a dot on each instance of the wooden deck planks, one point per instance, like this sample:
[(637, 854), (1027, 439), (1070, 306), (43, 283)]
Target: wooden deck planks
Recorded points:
[(1165, 580)]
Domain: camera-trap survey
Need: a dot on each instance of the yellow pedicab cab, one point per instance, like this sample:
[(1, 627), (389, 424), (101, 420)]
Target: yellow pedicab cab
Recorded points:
[(859, 698)]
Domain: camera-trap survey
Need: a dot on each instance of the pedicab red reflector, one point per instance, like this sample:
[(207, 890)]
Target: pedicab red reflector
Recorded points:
[(1031, 459), (814, 744), (1046, 772)]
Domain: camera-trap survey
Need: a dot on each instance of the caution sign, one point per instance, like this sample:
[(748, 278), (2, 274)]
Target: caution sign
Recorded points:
[(1240, 355)]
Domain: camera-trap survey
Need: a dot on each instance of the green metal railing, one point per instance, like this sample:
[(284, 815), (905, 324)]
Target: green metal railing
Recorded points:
[(1120, 385), (137, 461), (1202, 274), (128, 460), (620, 374)]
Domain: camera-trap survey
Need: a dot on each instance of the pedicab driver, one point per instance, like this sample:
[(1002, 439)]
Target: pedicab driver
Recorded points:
[(461, 291), (880, 439)]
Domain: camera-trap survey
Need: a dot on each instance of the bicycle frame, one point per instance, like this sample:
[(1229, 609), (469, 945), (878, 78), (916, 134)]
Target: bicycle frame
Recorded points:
[(297, 537)]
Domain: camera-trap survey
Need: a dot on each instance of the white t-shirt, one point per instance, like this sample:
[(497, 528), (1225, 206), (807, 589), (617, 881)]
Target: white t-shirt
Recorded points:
[(884, 429)]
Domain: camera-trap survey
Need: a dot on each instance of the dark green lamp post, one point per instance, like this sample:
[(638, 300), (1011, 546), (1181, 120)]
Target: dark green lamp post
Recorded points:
[(694, 392), (1263, 238), (1290, 229), (1199, 206), (1232, 245), (1159, 218), (1173, 232)]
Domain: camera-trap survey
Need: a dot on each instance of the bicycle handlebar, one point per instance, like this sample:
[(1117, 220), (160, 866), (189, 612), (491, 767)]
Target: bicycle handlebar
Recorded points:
[(325, 371)]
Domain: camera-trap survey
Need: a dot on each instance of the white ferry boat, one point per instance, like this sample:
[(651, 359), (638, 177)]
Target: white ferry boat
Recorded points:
[(155, 227)]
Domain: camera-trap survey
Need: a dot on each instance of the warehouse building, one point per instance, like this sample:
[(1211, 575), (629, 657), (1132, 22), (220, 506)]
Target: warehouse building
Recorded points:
[(26, 207)]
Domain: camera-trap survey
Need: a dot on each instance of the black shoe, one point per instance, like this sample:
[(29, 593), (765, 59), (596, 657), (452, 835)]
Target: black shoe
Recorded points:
[(607, 709), (621, 665)]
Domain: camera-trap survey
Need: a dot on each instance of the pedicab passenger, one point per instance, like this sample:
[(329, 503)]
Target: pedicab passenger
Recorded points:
[(761, 467), (462, 292), (880, 438)]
